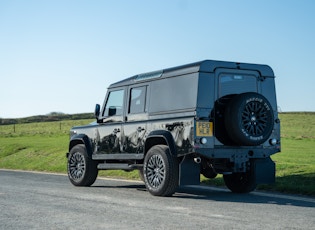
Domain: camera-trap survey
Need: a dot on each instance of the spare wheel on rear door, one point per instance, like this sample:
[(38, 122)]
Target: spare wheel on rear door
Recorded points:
[(249, 119)]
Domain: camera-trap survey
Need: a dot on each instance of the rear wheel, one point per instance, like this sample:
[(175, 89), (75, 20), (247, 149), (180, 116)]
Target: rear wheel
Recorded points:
[(240, 182), (160, 171), (82, 170), (207, 169)]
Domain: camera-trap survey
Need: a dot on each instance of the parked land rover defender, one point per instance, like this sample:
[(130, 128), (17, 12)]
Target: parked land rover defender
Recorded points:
[(209, 117)]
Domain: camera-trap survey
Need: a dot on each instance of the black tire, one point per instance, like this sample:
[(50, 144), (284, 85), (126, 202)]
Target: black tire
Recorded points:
[(209, 173), (249, 119), (160, 171), (240, 182), (207, 170), (82, 170)]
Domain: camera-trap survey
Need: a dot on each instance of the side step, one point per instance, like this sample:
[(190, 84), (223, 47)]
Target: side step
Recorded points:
[(118, 156), (119, 166)]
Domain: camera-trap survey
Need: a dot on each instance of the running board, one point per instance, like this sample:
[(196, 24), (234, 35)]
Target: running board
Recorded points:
[(118, 156), (119, 166)]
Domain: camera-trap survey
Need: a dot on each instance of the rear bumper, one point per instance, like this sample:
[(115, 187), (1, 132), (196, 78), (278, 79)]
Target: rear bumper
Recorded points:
[(247, 152), (233, 160)]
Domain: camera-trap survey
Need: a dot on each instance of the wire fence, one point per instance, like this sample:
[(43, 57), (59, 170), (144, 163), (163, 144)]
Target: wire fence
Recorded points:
[(41, 128)]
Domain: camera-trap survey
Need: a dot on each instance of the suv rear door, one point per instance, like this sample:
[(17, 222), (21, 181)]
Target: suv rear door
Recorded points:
[(230, 82), (136, 117)]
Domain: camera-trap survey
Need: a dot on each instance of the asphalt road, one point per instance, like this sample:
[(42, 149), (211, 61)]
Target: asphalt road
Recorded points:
[(47, 201)]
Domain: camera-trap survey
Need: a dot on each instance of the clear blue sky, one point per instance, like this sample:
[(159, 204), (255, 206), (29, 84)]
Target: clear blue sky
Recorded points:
[(61, 55)]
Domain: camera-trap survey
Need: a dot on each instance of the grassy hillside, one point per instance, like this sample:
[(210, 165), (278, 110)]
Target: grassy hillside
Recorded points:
[(296, 162), (53, 116), (35, 146), (42, 146)]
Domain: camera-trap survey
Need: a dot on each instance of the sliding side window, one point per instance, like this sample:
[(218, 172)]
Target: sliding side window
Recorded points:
[(137, 100)]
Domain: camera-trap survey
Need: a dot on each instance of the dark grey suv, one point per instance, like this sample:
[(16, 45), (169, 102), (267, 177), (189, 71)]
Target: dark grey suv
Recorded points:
[(209, 117)]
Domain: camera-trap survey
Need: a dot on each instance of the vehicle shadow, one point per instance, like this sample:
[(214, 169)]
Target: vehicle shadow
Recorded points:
[(211, 193), (224, 195)]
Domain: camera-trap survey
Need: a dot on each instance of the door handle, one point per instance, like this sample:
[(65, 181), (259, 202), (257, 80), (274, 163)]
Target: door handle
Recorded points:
[(139, 129)]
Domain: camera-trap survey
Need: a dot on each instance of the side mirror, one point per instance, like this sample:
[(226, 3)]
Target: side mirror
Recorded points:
[(97, 110), (112, 111)]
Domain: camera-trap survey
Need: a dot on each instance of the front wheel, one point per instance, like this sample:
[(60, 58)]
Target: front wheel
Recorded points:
[(82, 170), (160, 171)]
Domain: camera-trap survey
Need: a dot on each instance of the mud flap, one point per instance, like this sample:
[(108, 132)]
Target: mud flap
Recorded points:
[(265, 171), (189, 172)]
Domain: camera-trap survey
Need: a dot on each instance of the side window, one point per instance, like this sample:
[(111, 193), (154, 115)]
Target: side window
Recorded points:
[(114, 104), (137, 100)]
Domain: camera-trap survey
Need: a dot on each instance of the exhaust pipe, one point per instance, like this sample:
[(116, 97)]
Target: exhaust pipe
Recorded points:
[(197, 160)]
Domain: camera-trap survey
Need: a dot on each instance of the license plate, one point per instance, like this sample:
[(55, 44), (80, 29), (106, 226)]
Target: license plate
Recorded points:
[(204, 128)]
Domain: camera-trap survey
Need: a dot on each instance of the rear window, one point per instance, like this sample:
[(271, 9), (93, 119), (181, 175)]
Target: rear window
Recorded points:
[(236, 84)]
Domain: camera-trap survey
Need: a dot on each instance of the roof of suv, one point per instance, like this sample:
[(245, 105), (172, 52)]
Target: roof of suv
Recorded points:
[(201, 66)]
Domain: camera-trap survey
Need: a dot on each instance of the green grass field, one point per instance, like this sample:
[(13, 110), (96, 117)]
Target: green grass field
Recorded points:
[(42, 147), (296, 162)]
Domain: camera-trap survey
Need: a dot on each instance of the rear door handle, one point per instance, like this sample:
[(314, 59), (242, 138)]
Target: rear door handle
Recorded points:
[(140, 129)]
